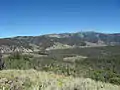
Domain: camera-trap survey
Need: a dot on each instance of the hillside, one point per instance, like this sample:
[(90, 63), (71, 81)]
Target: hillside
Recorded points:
[(58, 41), (98, 63)]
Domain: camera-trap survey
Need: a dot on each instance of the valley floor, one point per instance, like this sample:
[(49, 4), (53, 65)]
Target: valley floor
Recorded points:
[(36, 80)]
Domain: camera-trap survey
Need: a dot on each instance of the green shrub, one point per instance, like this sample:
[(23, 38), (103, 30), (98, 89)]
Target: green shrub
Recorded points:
[(115, 80)]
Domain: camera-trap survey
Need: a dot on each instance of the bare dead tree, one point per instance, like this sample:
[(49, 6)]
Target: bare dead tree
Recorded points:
[(2, 64)]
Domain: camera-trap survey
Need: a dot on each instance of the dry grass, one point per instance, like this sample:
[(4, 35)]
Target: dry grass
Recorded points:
[(34, 80), (74, 58)]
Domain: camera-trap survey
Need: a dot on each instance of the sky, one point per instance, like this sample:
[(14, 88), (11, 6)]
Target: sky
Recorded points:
[(37, 17)]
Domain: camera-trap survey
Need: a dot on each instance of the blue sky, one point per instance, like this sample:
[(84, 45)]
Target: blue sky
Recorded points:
[(36, 17)]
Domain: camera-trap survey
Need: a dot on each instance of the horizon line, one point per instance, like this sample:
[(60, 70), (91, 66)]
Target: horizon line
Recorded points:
[(13, 36)]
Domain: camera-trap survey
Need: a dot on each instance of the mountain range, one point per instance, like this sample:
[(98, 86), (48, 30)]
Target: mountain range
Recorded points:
[(58, 41)]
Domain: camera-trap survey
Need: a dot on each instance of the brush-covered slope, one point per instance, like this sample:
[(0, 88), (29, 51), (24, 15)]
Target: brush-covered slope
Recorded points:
[(98, 63)]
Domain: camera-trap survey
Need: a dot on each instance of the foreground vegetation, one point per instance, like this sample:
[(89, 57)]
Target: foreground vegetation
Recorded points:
[(34, 80)]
